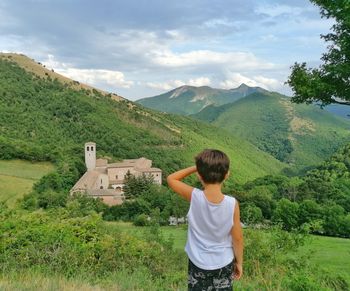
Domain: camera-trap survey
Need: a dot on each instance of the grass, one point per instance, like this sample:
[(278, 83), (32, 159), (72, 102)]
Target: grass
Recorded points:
[(32, 280), (330, 253), (17, 178)]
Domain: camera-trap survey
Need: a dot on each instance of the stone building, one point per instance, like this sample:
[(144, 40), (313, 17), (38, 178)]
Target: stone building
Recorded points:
[(106, 181)]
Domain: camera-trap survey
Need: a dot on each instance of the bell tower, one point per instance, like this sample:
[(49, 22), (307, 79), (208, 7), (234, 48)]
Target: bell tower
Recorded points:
[(90, 156)]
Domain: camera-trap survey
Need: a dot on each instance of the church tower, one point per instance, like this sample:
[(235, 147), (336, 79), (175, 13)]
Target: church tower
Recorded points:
[(90, 156)]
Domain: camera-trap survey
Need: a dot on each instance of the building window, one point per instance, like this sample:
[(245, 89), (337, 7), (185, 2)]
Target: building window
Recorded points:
[(87, 148), (92, 148), (116, 177), (157, 175), (101, 181), (101, 187)]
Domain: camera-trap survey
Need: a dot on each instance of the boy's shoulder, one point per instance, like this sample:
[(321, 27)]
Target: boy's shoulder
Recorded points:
[(230, 198)]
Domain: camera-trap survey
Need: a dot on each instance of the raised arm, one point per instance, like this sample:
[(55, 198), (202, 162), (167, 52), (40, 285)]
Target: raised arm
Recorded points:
[(237, 244), (175, 183)]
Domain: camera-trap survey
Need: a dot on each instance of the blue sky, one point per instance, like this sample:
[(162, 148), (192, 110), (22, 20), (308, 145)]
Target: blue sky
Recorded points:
[(140, 48)]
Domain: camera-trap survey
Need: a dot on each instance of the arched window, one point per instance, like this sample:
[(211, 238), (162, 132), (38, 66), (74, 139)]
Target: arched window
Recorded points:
[(92, 148), (87, 148)]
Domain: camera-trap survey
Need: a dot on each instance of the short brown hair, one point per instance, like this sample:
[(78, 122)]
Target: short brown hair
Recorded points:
[(212, 165)]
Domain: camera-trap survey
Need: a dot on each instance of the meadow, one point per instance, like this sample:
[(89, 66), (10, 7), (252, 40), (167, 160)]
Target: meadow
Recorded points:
[(17, 178), (141, 278), (330, 253)]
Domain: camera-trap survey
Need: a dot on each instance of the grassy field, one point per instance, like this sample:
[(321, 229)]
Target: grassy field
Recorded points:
[(330, 253), (17, 178)]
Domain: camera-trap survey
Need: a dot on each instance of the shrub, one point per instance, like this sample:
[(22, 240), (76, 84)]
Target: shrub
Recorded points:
[(141, 220)]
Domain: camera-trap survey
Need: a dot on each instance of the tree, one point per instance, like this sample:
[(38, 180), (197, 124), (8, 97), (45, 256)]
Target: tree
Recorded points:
[(261, 197), (330, 82), (251, 214), (286, 213), (137, 185)]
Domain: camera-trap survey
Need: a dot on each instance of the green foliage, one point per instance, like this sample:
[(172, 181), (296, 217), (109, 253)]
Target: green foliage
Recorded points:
[(286, 213), (143, 198), (57, 242), (330, 82), (318, 201), (141, 220), (251, 214), (135, 186)]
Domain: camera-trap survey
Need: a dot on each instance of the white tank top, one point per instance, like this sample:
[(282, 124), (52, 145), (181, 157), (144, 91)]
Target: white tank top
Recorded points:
[(209, 241)]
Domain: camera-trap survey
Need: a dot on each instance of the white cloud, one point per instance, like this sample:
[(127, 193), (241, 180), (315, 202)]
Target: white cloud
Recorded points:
[(219, 22), (278, 10), (236, 79), (201, 81), (169, 85), (236, 60), (89, 76)]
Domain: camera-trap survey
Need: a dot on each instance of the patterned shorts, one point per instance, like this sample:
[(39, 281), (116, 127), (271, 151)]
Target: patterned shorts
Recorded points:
[(207, 280)]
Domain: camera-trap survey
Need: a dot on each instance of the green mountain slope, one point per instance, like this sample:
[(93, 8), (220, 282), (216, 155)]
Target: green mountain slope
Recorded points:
[(299, 134), (187, 100), (42, 118)]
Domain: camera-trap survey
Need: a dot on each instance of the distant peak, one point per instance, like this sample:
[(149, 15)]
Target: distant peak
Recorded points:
[(243, 86)]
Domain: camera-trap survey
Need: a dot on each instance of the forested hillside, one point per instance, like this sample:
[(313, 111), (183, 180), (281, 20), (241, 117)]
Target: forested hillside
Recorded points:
[(301, 135), (318, 200), (44, 119)]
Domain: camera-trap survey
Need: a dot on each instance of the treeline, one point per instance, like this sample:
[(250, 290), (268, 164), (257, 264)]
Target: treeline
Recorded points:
[(319, 200)]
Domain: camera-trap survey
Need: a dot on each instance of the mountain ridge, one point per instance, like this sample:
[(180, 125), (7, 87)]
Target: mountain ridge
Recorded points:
[(294, 133), (187, 100)]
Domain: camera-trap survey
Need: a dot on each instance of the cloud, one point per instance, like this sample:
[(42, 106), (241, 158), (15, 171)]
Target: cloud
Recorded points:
[(236, 79), (166, 86), (202, 81), (169, 85), (143, 46), (237, 60), (95, 77), (278, 10)]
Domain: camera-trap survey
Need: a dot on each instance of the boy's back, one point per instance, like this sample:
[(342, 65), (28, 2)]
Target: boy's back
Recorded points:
[(209, 240), (215, 241)]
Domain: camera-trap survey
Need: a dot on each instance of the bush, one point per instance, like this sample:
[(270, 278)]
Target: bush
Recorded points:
[(141, 220), (56, 242)]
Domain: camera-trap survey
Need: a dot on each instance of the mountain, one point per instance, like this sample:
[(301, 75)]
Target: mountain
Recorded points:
[(340, 110), (298, 134), (188, 100), (44, 116)]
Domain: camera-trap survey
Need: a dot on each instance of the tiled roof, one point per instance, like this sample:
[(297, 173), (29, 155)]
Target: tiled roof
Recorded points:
[(87, 181)]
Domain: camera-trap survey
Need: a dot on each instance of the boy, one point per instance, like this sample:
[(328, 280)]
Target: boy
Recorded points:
[(214, 240)]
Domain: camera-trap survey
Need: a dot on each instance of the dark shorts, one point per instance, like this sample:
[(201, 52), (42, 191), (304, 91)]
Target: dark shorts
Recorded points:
[(219, 279)]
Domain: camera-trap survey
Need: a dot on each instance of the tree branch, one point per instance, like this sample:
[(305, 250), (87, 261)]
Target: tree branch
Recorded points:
[(340, 102)]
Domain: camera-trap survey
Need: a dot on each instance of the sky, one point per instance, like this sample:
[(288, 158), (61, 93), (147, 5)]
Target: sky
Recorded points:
[(142, 48)]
